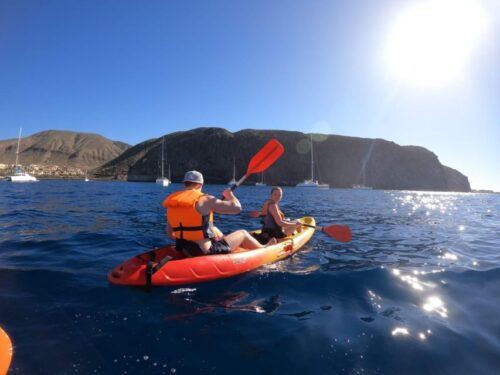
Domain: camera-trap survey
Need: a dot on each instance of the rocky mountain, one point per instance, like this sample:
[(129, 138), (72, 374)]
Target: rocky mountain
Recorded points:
[(340, 161), (64, 148)]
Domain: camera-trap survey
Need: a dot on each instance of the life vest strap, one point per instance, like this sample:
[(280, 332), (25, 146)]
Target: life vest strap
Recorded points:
[(187, 229), (152, 268), (205, 228)]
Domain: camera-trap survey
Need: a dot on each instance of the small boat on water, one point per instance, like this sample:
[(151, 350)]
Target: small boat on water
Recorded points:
[(261, 183), (312, 183), (86, 177), (164, 181), (233, 180), (362, 186), (19, 174)]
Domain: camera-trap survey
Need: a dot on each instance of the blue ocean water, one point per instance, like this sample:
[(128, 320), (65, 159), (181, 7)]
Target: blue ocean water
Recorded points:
[(416, 291)]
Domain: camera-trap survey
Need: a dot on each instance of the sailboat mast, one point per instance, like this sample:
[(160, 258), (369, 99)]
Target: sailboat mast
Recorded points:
[(166, 159), (312, 160), (18, 143), (162, 157)]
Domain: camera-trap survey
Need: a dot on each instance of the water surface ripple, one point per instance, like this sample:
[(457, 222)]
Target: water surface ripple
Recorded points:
[(417, 290)]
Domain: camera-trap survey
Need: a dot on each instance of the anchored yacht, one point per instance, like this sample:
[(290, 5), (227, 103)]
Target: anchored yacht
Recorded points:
[(312, 183), (164, 181), (19, 174)]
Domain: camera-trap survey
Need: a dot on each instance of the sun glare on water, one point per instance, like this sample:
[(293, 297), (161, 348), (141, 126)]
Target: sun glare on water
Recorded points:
[(431, 42)]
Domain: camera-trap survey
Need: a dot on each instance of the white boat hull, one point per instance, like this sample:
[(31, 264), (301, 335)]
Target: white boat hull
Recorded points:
[(163, 181), (312, 184), (23, 178)]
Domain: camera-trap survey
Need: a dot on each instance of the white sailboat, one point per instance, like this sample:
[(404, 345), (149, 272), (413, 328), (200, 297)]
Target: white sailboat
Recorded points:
[(86, 178), (19, 174), (169, 178), (312, 183), (363, 185), (163, 180), (233, 180), (261, 183)]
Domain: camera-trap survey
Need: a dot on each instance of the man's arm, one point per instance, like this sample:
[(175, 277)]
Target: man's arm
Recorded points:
[(230, 204)]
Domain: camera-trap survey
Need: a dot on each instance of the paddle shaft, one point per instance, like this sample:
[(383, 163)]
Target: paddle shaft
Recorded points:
[(341, 233), (239, 182), (305, 225), (317, 227)]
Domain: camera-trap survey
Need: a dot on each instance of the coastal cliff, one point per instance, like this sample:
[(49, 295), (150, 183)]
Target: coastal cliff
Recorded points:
[(339, 160)]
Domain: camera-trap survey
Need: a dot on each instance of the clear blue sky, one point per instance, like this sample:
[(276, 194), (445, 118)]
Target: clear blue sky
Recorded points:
[(133, 70)]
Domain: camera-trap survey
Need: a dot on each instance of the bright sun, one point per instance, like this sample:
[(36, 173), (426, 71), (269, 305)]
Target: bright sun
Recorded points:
[(430, 43)]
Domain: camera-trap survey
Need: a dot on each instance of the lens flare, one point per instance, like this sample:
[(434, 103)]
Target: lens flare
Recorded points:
[(430, 43)]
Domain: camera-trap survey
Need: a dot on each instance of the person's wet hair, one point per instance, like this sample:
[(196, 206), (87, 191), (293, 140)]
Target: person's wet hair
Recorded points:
[(274, 188)]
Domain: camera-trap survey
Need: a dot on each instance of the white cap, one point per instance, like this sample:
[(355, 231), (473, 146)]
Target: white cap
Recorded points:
[(193, 176)]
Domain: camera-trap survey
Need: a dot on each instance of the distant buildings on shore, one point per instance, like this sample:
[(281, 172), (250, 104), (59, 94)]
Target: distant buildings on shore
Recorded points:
[(484, 191), (47, 171)]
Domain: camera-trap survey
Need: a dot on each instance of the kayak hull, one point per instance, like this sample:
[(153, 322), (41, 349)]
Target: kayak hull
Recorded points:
[(181, 270), (5, 352)]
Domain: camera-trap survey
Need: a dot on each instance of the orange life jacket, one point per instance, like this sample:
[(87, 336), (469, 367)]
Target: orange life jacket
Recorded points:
[(185, 221)]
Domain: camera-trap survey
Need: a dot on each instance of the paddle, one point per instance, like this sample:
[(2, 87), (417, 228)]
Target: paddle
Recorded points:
[(262, 160), (341, 233)]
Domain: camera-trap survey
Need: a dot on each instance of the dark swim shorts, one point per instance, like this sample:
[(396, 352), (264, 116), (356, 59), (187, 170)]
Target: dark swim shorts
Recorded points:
[(193, 249), (267, 233), (274, 232), (219, 247)]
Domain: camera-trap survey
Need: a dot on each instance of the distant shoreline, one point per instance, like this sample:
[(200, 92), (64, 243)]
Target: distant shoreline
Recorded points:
[(262, 187)]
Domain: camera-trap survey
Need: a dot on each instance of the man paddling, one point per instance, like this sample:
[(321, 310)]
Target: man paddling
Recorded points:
[(190, 220)]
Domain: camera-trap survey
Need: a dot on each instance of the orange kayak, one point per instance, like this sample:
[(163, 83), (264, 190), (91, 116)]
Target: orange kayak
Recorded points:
[(5, 352), (167, 266)]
